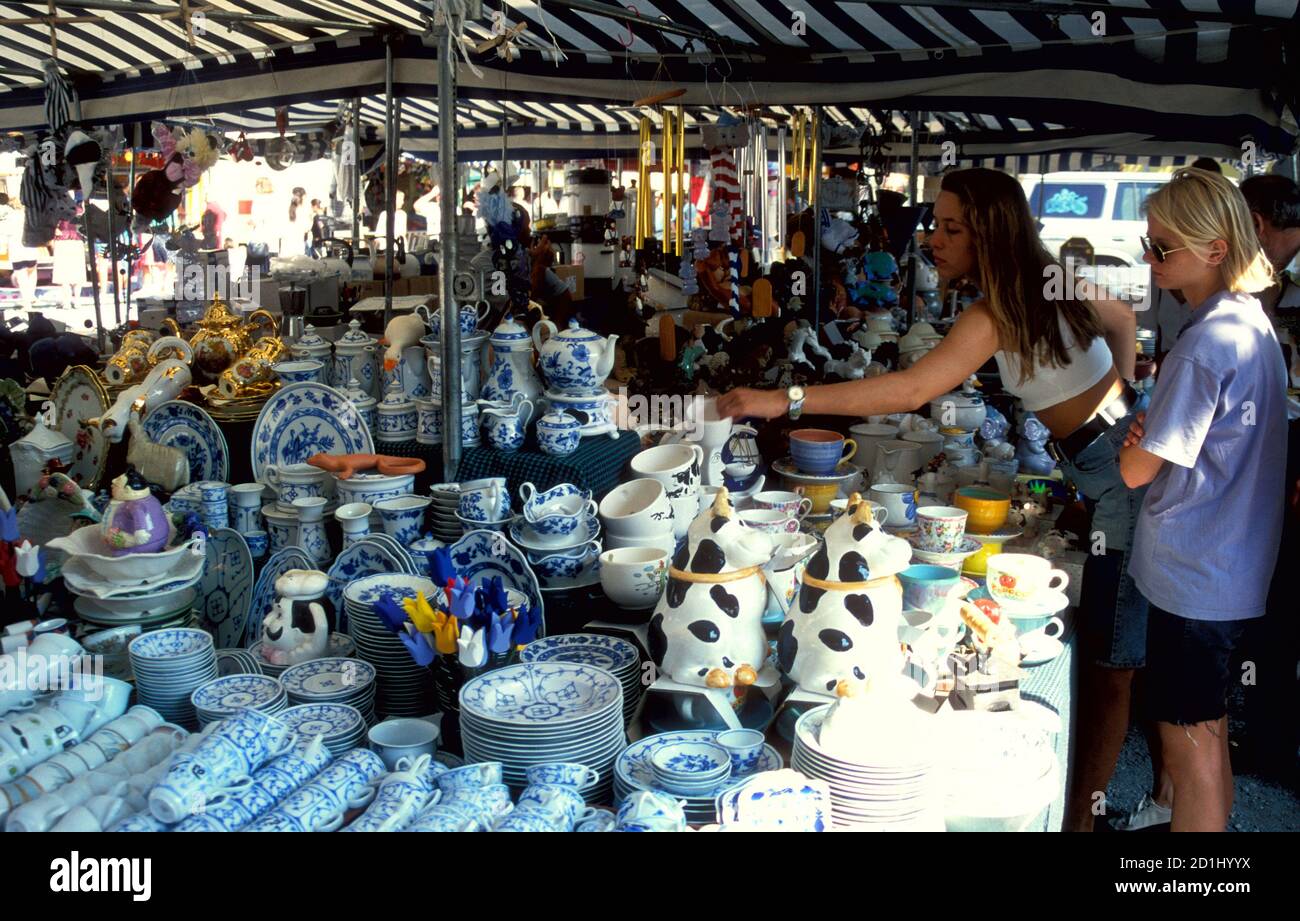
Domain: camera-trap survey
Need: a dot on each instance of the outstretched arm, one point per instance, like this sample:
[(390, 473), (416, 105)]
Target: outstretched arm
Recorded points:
[(971, 342)]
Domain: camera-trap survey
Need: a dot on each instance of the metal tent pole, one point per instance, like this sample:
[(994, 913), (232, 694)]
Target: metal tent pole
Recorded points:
[(90, 253), (355, 191), (815, 199), (390, 179), (451, 383), (130, 221), (914, 166), (112, 245), (780, 193)]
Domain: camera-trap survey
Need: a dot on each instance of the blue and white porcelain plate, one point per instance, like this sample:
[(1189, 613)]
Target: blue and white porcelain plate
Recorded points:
[(366, 590), (328, 678), (328, 720), (633, 766), (192, 431), (364, 558), (479, 555), (233, 692), (227, 586), (276, 565), (406, 562), (304, 419), (541, 694), (607, 652)]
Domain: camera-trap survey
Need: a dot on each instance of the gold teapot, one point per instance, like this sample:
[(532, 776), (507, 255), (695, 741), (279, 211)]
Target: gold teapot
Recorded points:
[(251, 374), (222, 338), (141, 350)]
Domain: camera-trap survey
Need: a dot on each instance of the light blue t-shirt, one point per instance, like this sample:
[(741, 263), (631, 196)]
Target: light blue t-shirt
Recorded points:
[(1208, 533)]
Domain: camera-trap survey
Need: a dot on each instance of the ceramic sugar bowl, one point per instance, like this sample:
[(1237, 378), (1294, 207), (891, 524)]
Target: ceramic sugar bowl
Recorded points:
[(558, 433), (844, 625), (397, 416)]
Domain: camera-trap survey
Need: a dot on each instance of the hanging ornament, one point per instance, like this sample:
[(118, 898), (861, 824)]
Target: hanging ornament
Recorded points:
[(60, 97), (82, 152)]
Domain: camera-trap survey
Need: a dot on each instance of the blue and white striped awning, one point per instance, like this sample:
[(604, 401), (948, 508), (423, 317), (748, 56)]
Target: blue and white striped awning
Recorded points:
[(1194, 72)]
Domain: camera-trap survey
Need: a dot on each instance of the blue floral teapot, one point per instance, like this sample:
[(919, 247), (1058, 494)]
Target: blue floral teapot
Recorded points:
[(575, 361)]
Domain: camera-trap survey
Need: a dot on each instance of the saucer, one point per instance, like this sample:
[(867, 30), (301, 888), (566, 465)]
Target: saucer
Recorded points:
[(1037, 648), (586, 530), (969, 546), (843, 473), (1046, 604)]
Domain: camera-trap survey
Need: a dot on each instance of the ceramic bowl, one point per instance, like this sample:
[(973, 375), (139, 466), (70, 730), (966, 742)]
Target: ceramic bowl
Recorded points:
[(637, 509), (372, 487), (986, 509), (664, 542), (88, 544), (691, 765), (977, 563), (564, 564), (634, 577), (558, 514)]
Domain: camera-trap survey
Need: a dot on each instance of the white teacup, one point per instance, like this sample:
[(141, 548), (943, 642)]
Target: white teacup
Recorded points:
[(769, 520), (1023, 577), (878, 511), (791, 504), (677, 466), (638, 508)]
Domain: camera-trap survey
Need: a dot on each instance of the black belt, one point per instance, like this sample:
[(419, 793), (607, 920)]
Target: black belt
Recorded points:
[(1072, 445)]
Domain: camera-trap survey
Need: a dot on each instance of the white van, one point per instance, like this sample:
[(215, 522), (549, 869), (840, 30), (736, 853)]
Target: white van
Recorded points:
[(1103, 208)]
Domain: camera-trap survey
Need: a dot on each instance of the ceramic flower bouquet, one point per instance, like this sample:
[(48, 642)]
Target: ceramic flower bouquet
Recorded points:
[(465, 631)]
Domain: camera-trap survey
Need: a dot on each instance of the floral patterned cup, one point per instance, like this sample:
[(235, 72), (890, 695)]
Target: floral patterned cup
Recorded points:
[(942, 527)]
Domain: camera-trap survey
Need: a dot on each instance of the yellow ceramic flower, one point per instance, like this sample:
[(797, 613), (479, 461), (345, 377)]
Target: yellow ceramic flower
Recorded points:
[(445, 635), (421, 613)]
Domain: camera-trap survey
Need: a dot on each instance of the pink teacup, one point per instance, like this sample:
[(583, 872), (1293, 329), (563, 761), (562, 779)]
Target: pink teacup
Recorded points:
[(769, 520)]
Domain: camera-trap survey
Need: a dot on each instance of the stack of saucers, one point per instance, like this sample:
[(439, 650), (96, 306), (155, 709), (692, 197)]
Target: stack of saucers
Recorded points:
[(618, 657), (899, 790), (691, 768), (169, 666), (238, 662), (443, 522), (402, 688), (538, 712), (342, 727), (221, 698), (335, 681)]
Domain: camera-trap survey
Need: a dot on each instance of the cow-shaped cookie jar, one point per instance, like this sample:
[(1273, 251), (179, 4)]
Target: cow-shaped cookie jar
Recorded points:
[(844, 625), (296, 629), (707, 629)]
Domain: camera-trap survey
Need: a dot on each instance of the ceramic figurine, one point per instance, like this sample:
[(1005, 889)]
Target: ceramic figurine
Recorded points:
[(1031, 451), (161, 464), (845, 623), (135, 521), (296, 628), (853, 368), (707, 629), (803, 340), (345, 466)]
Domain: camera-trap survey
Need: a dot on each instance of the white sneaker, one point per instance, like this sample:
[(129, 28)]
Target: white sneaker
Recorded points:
[(1147, 814)]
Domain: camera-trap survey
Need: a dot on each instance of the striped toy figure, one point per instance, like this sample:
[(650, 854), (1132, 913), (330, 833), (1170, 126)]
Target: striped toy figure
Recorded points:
[(734, 304), (726, 192)]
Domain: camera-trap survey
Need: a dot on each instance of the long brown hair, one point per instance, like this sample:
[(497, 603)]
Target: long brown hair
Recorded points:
[(1013, 264)]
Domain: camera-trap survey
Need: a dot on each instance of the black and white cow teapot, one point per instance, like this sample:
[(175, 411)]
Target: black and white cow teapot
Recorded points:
[(844, 625), (707, 629), (296, 629)]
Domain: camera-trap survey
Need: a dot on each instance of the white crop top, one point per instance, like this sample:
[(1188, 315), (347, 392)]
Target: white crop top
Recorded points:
[(1047, 385)]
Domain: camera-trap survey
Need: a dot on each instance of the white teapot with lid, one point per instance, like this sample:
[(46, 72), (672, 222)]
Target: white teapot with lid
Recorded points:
[(575, 361)]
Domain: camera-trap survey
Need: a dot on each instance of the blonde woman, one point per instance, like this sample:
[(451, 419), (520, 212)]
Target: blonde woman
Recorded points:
[(1212, 448), (1067, 361)]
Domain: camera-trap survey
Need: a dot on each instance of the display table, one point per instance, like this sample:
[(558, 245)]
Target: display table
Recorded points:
[(1053, 684), (596, 465)]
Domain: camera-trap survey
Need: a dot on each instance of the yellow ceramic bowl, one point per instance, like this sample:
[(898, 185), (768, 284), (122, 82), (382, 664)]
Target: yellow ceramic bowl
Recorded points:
[(977, 563), (986, 509), (821, 497)]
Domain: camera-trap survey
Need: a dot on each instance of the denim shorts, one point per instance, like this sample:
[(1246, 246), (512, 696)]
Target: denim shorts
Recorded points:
[(1112, 612), (1187, 677)]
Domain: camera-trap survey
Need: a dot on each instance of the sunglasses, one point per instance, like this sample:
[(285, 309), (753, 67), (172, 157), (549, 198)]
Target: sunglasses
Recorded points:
[(1160, 252)]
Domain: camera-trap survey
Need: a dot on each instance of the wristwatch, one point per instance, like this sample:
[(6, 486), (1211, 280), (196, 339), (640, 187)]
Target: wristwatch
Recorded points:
[(796, 396)]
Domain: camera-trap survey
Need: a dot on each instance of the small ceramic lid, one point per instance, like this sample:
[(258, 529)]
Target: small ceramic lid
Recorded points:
[(355, 337), (310, 339), (395, 398), (961, 399), (558, 420), (510, 332), (359, 397), (577, 333)]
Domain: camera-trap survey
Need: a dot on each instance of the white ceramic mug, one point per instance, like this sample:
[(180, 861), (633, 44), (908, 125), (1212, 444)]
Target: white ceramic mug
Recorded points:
[(638, 508), (899, 502), (1022, 577), (677, 466)]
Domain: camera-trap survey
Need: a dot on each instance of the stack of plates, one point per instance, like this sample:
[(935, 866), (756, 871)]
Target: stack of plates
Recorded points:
[(402, 687), (221, 698), (537, 712), (900, 791), (340, 646), (237, 662), (618, 657), (633, 772), (335, 681), (442, 514), (150, 612), (110, 646), (170, 665), (342, 726)]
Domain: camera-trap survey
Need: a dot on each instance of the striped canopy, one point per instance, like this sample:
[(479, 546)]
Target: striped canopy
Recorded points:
[(1179, 75)]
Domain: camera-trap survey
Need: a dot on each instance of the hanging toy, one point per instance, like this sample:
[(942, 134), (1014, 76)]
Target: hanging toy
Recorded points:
[(185, 157), (60, 97), (45, 198), (83, 153), (242, 151)]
